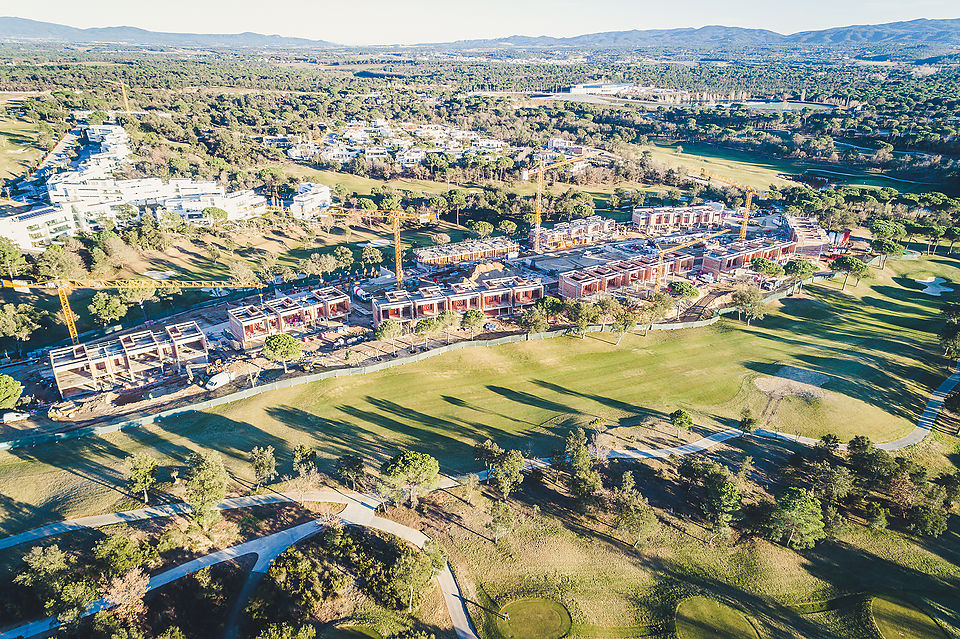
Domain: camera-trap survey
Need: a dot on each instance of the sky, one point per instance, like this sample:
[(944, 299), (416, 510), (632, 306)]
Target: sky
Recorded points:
[(360, 22)]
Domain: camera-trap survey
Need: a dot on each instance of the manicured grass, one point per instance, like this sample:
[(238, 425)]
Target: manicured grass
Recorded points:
[(703, 618), (899, 620), (739, 167), (353, 632), (534, 619), (747, 168), (875, 343)]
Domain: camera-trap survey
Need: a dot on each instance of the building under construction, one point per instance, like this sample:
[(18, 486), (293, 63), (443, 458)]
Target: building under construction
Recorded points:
[(810, 237), (130, 361), (471, 251), (664, 218), (575, 233), (493, 297), (251, 325), (739, 254), (619, 274)]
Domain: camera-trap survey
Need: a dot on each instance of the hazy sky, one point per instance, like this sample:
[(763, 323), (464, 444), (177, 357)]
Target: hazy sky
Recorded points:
[(411, 21)]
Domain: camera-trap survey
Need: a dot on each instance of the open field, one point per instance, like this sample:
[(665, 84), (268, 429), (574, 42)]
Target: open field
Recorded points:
[(18, 152), (875, 343)]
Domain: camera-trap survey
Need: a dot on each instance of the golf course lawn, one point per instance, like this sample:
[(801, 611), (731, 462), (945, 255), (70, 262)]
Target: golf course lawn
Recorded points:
[(899, 620), (703, 618), (874, 346), (534, 619)]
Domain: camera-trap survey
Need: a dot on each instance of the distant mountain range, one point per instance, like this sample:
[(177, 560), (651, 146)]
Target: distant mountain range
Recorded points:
[(21, 29), (911, 33)]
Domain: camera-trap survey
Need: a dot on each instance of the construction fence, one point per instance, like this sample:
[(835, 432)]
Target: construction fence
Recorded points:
[(52, 438)]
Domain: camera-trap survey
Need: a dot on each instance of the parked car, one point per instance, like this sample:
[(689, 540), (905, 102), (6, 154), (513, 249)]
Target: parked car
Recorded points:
[(14, 416)]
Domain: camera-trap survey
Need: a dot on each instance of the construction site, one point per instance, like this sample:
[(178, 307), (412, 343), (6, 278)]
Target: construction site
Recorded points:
[(156, 365)]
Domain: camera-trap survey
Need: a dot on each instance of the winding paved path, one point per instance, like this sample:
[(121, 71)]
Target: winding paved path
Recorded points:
[(360, 511)]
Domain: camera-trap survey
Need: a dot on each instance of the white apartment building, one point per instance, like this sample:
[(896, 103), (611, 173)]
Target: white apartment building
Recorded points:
[(310, 200), (239, 205)]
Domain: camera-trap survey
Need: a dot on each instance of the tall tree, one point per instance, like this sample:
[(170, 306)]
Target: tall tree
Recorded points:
[(799, 270), (107, 308), (472, 320), (681, 420), (797, 519), (206, 486), (282, 348), (264, 464), (506, 472), (849, 265), (142, 474), (10, 391), (410, 472), (11, 259)]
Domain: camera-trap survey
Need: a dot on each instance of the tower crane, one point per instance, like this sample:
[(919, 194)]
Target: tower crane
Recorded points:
[(64, 287), (748, 190), (396, 216), (538, 207), (658, 281)]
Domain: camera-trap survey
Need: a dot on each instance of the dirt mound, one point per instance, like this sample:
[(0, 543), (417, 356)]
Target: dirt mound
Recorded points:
[(487, 271), (791, 380)]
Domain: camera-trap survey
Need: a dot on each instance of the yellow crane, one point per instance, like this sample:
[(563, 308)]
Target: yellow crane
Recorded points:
[(538, 206), (748, 190), (658, 280), (64, 287), (123, 93), (396, 217)]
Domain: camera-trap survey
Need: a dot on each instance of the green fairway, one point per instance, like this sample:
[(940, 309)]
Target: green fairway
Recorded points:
[(534, 619), (745, 167), (873, 346), (703, 618), (899, 620)]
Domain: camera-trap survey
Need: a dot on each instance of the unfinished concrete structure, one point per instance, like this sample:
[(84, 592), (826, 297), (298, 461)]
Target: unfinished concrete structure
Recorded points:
[(575, 233), (501, 296), (130, 361), (251, 325), (738, 254), (664, 218), (471, 251), (615, 275), (810, 237)]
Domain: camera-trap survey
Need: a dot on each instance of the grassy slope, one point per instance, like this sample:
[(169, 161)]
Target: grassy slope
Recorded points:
[(897, 620), (18, 152), (875, 344), (703, 618)]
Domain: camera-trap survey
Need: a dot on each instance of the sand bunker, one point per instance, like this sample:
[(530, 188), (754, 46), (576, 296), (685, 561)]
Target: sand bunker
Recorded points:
[(160, 275), (934, 286), (791, 380)]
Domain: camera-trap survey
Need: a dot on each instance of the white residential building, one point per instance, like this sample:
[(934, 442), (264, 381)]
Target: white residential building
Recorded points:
[(310, 200)]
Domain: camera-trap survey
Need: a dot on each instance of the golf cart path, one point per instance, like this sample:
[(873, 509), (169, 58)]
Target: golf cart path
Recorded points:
[(360, 511)]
